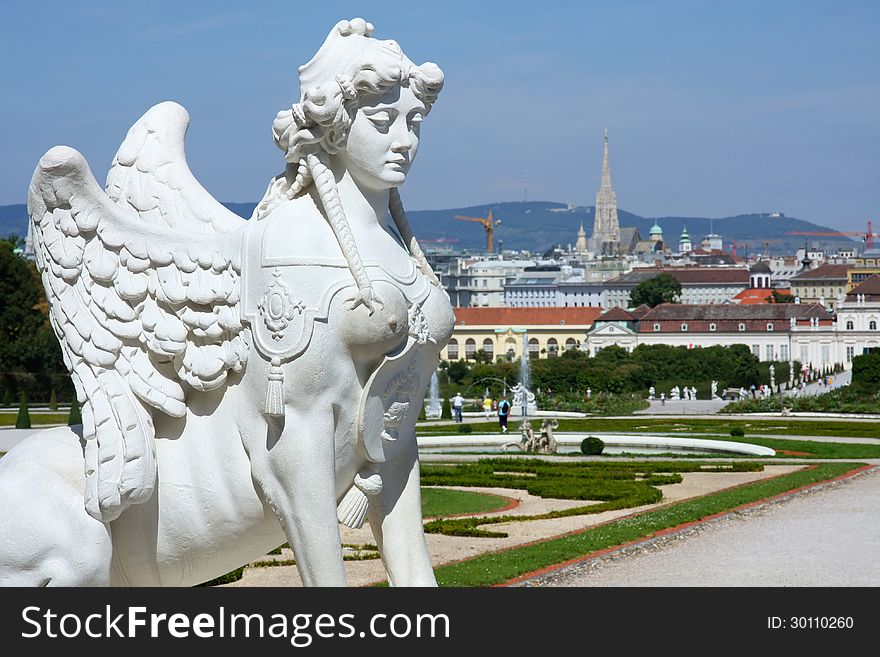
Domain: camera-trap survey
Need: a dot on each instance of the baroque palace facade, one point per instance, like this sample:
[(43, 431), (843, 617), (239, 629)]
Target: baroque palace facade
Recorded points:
[(805, 332)]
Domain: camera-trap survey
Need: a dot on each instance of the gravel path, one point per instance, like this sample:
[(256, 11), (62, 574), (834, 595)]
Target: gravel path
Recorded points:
[(821, 537)]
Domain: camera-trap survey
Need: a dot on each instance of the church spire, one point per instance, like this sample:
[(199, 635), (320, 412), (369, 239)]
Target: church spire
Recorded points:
[(606, 166), (606, 229)]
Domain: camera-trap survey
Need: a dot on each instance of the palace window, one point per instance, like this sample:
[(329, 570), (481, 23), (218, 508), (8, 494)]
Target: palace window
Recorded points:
[(470, 348), (684, 327), (769, 327), (656, 327), (872, 325), (712, 326), (570, 344), (489, 348), (533, 348), (849, 325), (849, 354), (452, 349), (552, 348), (742, 327)]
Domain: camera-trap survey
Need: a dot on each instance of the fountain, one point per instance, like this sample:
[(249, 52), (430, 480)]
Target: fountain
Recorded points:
[(523, 398), (434, 409)]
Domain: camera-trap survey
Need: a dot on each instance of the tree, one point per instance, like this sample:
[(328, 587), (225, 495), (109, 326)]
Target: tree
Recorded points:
[(781, 297), (23, 421), (75, 416), (446, 410), (663, 288), (30, 357), (457, 371)]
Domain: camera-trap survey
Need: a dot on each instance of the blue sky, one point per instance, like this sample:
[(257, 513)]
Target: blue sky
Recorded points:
[(713, 108)]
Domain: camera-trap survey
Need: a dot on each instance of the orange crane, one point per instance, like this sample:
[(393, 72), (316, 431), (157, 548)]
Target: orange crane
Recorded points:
[(489, 224), (867, 236)]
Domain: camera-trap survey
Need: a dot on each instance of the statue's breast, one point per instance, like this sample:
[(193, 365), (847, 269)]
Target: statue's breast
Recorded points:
[(286, 290)]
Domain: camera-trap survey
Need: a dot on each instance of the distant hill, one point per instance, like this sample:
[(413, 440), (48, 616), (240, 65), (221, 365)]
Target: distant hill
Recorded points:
[(538, 225)]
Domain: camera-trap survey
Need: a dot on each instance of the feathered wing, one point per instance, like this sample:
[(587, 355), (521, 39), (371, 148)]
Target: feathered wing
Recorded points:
[(150, 175), (143, 312)]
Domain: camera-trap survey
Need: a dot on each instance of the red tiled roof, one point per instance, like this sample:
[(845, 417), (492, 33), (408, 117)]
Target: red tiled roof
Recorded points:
[(720, 312), (640, 311), (870, 287), (753, 295), (823, 273), (616, 314), (525, 316)]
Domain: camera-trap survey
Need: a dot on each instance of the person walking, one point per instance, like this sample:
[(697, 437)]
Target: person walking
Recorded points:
[(487, 407), (503, 413), (457, 405)]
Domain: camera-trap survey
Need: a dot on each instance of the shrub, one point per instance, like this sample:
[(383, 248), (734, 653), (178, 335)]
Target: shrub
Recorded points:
[(446, 411), (23, 420), (592, 446), (737, 432), (53, 400), (866, 370), (75, 416), (465, 428)]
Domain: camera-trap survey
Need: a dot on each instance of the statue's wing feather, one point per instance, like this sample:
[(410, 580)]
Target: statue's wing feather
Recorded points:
[(150, 175), (144, 313)]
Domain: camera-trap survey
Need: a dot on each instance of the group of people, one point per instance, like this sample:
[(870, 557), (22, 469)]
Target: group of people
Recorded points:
[(490, 406)]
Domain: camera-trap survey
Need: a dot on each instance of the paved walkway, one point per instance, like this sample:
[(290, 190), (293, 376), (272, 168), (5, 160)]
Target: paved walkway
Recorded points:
[(825, 537)]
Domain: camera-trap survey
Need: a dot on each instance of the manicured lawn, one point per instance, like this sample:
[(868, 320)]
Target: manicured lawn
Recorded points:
[(807, 449), (8, 419), (446, 502), (609, 485), (499, 567)]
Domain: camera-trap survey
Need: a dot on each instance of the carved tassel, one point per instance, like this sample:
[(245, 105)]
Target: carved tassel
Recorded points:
[(352, 510), (275, 390)]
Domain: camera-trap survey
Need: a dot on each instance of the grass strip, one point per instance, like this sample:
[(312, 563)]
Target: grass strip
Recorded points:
[(782, 426), (500, 567), (446, 502), (805, 449), (37, 419)]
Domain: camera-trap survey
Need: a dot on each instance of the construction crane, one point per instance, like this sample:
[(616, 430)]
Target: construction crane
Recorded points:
[(867, 236), (488, 224)]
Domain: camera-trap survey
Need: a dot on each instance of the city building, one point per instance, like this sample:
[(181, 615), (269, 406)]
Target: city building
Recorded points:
[(858, 320), (480, 281), (684, 242), (699, 285), (804, 332), (759, 275), (502, 332), (863, 267), (826, 285), (563, 287), (656, 234), (580, 245)]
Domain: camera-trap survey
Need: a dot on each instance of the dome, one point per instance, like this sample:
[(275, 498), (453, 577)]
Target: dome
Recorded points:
[(760, 268), (656, 230)]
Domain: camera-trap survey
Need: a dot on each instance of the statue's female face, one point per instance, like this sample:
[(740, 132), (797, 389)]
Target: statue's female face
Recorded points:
[(383, 139)]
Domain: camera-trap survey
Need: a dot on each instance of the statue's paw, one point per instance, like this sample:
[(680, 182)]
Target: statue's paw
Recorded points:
[(367, 298)]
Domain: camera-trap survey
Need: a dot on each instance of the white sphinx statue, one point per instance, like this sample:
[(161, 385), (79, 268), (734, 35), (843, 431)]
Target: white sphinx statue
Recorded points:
[(243, 383)]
